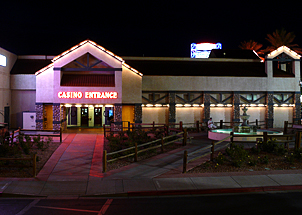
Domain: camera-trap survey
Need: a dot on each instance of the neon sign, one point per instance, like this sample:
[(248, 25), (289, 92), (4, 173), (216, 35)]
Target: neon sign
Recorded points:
[(203, 50), (87, 95)]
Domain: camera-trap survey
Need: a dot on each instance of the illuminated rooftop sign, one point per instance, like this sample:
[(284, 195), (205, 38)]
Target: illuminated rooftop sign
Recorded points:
[(203, 50), (87, 95), (2, 60)]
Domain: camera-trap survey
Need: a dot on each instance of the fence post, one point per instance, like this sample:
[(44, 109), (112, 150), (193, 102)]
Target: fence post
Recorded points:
[(153, 125), (221, 124), (135, 153), (265, 137), (257, 123), (60, 135), (128, 126), (167, 129), (212, 150), (12, 141), (162, 144), (104, 130), (104, 161), (34, 165), (232, 136), (197, 126), (298, 140), (180, 125), (185, 161), (285, 127), (184, 141)]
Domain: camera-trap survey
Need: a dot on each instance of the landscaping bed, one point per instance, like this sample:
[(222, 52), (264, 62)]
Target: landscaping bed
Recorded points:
[(264, 157), (127, 139), (24, 148)]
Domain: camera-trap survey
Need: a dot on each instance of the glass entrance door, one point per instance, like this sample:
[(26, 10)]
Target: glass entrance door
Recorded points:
[(84, 116), (108, 113), (97, 116)]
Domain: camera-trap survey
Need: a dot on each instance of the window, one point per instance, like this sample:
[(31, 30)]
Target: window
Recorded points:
[(2, 60)]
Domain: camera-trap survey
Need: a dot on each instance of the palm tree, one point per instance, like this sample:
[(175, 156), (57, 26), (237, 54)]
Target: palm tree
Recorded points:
[(282, 38), (252, 45)]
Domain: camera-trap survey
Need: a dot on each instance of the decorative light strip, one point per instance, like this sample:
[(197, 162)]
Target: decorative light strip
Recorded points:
[(97, 46), (284, 48)]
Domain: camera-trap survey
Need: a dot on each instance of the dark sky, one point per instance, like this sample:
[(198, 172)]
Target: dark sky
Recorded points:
[(155, 28)]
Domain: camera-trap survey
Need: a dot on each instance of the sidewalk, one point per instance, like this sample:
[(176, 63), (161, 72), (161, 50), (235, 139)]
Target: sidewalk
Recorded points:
[(75, 170)]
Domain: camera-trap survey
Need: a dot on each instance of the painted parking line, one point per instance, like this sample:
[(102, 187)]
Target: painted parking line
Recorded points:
[(67, 209), (28, 207), (105, 207), (101, 212)]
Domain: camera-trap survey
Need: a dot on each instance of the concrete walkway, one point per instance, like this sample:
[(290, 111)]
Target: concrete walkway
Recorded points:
[(75, 170)]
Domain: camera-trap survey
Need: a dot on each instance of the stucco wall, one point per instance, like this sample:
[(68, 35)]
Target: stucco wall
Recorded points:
[(23, 82), (282, 114), (188, 114), (132, 87), (156, 114), (22, 100), (221, 113), (45, 86), (23, 96), (5, 92), (206, 83)]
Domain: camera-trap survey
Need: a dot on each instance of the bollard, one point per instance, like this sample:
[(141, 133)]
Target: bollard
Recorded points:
[(180, 125), (104, 161), (197, 126), (185, 161), (221, 124)]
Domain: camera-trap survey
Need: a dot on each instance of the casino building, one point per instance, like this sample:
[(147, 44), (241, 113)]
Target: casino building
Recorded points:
[(89, 86)]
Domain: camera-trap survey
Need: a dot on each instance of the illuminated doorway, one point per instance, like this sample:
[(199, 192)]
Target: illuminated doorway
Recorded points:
[(84, 116), (97, 116)]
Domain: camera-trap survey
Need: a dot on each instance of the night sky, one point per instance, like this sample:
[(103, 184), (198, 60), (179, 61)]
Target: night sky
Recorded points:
[(142, 28)]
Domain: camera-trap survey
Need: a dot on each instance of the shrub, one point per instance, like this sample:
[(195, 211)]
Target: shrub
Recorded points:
[(263, 160), (252, 161), (220, 159), (268, 146), (237, 154)]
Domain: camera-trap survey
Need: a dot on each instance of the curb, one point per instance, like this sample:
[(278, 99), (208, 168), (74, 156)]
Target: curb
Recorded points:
[(202, 192), (16, 195)]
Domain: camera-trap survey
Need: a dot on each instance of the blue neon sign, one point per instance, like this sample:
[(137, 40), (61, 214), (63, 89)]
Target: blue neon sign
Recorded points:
[(203, 50)]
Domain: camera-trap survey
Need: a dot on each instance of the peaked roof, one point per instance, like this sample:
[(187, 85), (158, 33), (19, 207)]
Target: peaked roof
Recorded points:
[(283, 49), (72, 49)]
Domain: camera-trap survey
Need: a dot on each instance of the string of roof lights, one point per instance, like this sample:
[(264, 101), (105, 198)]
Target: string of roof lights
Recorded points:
[(217, 105), (95, 45), (284, 49)]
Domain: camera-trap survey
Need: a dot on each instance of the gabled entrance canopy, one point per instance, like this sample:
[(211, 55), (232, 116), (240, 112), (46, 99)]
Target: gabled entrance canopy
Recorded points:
[(283, 49), (88, 46)]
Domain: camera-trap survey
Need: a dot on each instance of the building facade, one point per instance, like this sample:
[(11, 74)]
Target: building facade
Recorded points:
[(89, 86)]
